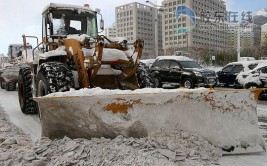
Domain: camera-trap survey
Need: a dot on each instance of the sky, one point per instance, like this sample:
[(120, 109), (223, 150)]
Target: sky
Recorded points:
[(24, 16)]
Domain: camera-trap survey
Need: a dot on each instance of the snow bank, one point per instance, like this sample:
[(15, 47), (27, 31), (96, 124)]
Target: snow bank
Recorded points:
[(98, 91)]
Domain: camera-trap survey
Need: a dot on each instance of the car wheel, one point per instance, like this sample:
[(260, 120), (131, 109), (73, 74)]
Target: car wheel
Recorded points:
[(263, 95), (2, 84), (157, 82), (251, 86), (188, 83)]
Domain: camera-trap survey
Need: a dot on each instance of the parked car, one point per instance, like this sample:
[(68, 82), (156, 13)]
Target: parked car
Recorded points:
[(256, 78), (228, 74), (242, 59), (148, 62), (180, 71)]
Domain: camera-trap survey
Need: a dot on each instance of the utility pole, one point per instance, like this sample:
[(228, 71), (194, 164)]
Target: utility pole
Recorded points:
[(156, 27), (238, 43), (187, 49)]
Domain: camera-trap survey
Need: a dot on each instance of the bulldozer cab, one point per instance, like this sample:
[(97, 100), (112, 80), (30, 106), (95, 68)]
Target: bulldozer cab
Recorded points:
[(61, 20)]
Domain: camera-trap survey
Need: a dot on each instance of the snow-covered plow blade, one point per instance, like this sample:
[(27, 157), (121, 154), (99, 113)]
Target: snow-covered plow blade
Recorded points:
[(227, 119)]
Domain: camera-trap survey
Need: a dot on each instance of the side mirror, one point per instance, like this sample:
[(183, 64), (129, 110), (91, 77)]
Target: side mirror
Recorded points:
[(102, 24), (176, 67), (97, 10)]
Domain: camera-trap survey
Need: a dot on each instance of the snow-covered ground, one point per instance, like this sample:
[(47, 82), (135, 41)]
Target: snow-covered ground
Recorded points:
[(20, 144)]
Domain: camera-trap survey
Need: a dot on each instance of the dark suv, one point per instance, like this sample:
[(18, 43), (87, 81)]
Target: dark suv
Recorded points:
[(181, 71)]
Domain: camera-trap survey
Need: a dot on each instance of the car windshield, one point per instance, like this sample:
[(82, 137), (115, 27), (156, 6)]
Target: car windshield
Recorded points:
[(189, 64)]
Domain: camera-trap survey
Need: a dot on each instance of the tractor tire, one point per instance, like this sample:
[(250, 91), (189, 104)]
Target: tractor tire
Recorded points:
[(10, 86), (188, 83), (25, 94), (3, 85), (53, 77)]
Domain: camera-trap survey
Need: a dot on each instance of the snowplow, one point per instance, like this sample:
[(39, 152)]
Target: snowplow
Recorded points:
[(75, 59), (9, 74), (85, 85)]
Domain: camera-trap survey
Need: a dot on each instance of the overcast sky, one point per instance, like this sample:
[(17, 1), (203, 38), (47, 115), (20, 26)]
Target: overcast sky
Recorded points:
[(18, 17)]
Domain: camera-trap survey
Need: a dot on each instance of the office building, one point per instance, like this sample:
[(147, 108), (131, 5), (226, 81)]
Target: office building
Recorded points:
[(208, 32), (111, 32), (263, 33), (136, 20)]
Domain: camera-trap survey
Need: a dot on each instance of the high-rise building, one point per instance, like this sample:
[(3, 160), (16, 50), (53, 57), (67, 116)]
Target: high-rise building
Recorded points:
[(246, 39), (263, 33), (259, 19), (136, 20), (111, 31), (208, 32)]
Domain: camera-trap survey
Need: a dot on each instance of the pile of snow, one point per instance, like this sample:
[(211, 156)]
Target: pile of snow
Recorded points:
[(79, 38), (99, 91), (59, 51), (181, 148)]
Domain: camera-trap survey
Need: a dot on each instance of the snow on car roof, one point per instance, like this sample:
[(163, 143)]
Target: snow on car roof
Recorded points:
[(261, 64), (244, 63), (179, 58)]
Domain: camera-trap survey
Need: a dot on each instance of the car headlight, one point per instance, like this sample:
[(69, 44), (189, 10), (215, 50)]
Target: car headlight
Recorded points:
[(197, 73), (244, 76)]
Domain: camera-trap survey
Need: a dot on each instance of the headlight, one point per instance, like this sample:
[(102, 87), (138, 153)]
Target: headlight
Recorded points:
[(197, 73), (244, 76)]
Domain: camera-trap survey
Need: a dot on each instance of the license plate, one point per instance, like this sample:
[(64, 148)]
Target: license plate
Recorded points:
[(211, 80)]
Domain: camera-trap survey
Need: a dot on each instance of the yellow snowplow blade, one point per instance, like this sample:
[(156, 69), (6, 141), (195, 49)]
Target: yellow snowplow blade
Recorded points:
[(227, 119)]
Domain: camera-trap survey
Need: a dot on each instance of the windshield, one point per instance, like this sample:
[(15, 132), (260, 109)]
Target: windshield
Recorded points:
[(67, 22), (189, 64)]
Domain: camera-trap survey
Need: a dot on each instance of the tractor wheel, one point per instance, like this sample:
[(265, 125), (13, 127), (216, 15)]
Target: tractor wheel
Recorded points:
[(53, 77), (2, 84), (27, 104), (10, 86), (188, 83)]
